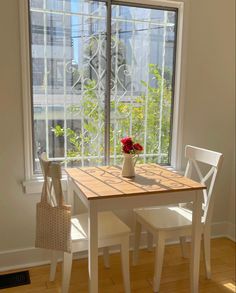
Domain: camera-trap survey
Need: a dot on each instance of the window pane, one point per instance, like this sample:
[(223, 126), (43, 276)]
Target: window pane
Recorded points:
[(68, 80), (69, 65), (143, 48), (36, 3)]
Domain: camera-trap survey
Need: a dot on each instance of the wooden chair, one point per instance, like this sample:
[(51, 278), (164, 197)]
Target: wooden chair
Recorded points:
[(170, 222), (111, 231)]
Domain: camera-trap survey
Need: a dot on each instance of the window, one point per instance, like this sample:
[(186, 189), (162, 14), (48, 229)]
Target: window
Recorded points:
[(101, 71)]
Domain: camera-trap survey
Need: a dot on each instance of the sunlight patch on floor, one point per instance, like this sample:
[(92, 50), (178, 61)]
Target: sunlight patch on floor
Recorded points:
[(230, 286)]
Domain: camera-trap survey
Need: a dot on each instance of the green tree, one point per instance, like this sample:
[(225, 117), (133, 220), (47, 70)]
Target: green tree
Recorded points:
[(149, 113)]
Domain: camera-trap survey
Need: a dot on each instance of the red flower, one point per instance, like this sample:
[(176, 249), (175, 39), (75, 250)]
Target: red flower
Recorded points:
[(127, 148), (127, 141), (138, 147)]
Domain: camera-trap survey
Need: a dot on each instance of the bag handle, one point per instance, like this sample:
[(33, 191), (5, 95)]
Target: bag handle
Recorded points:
[(53, 171), (55, 174), (45, 168)]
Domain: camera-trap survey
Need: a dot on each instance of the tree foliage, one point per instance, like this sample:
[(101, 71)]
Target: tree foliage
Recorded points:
[(146, 117)]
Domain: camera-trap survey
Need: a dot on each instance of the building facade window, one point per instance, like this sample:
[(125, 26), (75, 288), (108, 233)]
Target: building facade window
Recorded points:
[(102, 70)]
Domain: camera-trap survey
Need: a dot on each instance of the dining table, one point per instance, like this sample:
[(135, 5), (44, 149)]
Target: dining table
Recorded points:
[(102, 188)]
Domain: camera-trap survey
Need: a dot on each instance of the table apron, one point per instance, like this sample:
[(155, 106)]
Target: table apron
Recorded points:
[(131, 202)]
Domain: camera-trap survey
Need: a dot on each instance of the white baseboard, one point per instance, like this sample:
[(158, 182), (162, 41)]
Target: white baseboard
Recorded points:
[(223, 229), (231, 231), (23, 258), (31, 256)]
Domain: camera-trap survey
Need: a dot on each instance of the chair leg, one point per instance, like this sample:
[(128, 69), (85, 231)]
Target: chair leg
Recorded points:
[(159, 256), (137, 235), (125, 263), (106, 257), (207, 253), (183, 246), (66, 271), (149, 241), (53, 266)]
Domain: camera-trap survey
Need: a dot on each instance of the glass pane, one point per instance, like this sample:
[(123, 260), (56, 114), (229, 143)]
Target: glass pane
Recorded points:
[(36, 4), (68, 80), (54, 5), (142, 55)]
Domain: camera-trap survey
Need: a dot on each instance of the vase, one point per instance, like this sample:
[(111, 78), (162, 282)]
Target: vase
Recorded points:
[(128, 166)]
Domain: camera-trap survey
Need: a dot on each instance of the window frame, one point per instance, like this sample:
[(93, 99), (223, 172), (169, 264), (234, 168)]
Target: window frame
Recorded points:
[(33, 182)]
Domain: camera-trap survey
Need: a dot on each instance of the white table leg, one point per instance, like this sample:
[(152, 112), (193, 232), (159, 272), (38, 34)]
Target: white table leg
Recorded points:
[(93, 248), (196, 241)]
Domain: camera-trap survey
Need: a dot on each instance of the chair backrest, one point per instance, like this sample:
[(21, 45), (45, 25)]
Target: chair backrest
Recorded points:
[(52, 171), (214, 160)]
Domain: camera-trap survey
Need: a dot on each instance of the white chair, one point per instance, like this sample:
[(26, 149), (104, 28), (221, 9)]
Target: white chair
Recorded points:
[(170, 222), (111, 231)]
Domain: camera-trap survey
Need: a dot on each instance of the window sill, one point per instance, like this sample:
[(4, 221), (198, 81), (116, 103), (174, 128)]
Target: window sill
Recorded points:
[(34, 186)]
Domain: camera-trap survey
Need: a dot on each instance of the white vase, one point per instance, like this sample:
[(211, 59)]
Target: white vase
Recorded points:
[(128, 166)]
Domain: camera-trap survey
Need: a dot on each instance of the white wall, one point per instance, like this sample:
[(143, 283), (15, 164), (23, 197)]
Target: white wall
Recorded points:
[(208, 120), (16, 209)]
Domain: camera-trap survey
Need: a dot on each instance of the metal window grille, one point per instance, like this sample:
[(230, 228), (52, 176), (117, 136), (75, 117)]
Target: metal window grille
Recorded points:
[(101, 70)]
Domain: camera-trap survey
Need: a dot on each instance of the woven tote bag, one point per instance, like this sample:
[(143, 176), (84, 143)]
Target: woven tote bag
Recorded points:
[(53, 223)]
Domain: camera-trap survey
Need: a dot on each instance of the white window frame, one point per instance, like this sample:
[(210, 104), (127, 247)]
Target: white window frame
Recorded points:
[(32, 182)]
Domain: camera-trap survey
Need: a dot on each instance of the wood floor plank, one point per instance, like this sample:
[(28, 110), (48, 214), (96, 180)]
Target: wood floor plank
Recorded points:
[(175, 277)]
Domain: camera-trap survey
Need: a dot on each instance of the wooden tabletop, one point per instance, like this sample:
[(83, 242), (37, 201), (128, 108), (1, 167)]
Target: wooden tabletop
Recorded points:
[(106, 181)]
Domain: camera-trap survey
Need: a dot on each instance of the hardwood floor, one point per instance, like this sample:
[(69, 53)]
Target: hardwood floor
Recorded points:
[(175, 276)]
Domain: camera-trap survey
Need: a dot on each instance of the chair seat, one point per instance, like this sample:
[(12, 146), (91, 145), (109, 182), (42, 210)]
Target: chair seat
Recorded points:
[(109, 226), (165, 218)]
